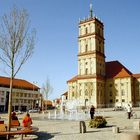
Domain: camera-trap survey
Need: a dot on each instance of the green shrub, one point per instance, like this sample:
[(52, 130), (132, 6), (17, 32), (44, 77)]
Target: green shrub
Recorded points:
[(97, 122)]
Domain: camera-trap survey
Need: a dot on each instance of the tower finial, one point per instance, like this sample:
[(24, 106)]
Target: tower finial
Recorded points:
[(91, 14)]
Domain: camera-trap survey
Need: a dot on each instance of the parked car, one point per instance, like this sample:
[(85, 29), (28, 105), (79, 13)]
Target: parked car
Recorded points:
[(18, 112), (33, 111), (118, 108)]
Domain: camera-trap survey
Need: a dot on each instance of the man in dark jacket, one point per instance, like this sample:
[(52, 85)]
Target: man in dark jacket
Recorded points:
[(92, 111)]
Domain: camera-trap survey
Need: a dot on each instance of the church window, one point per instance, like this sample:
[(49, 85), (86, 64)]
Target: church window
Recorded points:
[(110, 93), (99, 48), (122, 84), (72, 94), (86, 92), (110, 85), (86, 48), (86, 71), (116, 85), (100, 71), (99, 31), (86, 30), (117, 93), (91, 91), (122, 92), (123, 100), (117, 100), (80, 92), (111, 101)]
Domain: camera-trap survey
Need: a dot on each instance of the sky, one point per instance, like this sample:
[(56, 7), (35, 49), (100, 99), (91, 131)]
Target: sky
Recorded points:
[(56, 46)]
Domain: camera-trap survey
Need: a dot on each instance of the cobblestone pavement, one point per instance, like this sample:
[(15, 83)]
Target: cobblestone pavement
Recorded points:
[(69, 129)]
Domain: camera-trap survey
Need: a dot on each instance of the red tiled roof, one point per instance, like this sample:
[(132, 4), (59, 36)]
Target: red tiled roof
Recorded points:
[(114, 69), (48, 102), (17, 83), (73, 79), (136, 75), (81, 77), (65, 94)]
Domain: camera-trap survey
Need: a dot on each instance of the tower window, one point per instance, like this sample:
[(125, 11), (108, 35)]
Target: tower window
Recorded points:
[(86, 30), (72, 94), (111, 93), (86, 92), (80, 92), (122, 92), (111, 101), (86, 71), (99, 48), (86, 48), (99, 31), (123, 100)]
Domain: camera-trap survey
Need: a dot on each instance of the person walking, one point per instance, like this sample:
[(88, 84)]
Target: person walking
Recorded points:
[(129, 109), (92, 112)]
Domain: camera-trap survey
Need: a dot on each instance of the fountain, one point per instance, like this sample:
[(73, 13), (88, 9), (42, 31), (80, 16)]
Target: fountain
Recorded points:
[(68, 111)]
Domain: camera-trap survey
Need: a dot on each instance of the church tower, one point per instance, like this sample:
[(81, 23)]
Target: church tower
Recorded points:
[(91, 61), (91, 58), (88, 87)]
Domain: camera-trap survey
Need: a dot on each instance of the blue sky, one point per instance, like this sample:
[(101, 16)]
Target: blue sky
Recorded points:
[(56, 22)]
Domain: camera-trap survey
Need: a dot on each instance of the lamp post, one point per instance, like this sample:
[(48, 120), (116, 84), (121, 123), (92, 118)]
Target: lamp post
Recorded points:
[(127, 91), (33, 103)]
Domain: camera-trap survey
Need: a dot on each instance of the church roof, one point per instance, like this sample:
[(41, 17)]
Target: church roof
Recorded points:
[(65, 94), (73, 79), (114, 69), (136, 75), (17, 83)]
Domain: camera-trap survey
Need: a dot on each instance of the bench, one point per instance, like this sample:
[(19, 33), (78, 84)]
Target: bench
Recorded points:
[(14, 123), (21, 131)]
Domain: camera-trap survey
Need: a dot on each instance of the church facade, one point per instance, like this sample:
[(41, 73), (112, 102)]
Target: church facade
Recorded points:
[(100, 83)]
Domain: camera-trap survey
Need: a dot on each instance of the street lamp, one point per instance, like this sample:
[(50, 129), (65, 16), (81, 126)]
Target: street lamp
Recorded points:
[(33, 103)]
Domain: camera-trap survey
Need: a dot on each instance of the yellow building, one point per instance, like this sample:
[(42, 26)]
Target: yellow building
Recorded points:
[(100, 83)]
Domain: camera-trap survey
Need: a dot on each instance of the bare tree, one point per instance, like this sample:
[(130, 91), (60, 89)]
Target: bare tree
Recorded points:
[(47, 89), (16, 45)]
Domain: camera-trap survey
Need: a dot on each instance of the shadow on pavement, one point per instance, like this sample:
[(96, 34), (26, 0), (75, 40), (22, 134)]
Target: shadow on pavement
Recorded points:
[(43, 136)]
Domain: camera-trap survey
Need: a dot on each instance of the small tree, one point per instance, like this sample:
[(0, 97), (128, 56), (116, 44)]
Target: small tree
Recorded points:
[(47, 89), (16, 45)]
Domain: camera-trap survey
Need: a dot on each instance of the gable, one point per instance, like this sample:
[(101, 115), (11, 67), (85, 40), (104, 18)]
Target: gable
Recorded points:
[(114, 69)]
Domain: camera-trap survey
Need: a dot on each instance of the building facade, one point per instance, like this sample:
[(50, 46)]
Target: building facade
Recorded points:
[(25, 95), (100, 83)]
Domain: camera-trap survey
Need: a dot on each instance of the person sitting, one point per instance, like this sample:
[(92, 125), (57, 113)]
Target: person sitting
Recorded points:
[(13, 116), (14, 119), (27, 121)]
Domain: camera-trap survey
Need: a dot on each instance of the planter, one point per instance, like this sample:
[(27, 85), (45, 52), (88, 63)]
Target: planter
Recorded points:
[(97, 122)]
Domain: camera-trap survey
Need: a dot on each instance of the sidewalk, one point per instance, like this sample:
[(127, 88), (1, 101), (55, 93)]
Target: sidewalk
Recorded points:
[(69, 130)]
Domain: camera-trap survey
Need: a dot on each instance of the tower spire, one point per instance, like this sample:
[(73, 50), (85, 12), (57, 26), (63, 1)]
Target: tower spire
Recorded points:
[(91, 14)]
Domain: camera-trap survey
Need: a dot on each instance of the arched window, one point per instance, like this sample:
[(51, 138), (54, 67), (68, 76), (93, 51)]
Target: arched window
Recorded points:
[(86, 71), (86, 48), (99, 31), (86, 30)]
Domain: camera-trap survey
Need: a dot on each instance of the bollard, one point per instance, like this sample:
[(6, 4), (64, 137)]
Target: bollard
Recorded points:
[(136, 125), (115, 129), (82, 127)]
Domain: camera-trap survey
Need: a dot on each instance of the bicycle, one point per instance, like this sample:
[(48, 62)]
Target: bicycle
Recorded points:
[(133, 115)]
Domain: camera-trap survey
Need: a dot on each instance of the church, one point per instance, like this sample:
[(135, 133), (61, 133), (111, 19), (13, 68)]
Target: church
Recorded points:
[(100, 83)]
